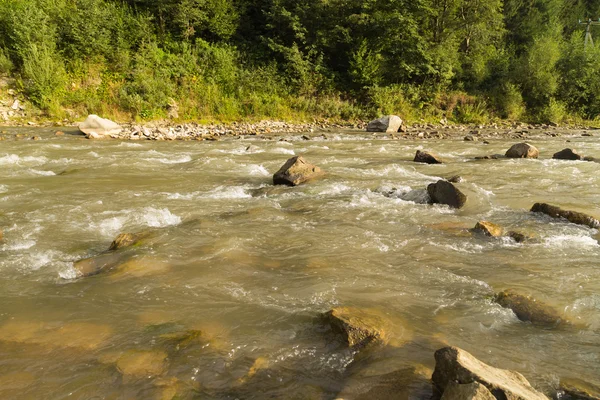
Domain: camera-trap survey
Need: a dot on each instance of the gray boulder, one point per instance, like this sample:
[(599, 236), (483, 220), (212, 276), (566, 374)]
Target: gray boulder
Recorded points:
[(427, 158), (389, 123), (96, 127), (295, 171), (522, 150), (567, 154), (456, 365), (443, 192), (571, 216)]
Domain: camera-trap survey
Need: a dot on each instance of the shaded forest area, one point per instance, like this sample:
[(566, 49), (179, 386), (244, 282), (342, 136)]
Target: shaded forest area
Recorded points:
[(466, 60)]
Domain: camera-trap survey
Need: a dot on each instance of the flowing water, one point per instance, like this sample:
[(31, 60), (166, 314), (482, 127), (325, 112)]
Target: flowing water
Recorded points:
[(252, 266)]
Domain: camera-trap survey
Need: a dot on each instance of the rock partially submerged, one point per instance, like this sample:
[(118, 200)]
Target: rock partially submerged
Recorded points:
[(95, 127), (577, 389), (458, 366), (567, 154), (490, 157), (295, 171), (138, 364), (488, 228), (94, 265), (467, 391), (518, 236), (529, 309), (443, 192), (571, 216), (427, 158), (358, 327), (389, 123), (127, 239), (522, 150)]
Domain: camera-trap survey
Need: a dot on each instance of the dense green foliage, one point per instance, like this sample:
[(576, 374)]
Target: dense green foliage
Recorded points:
[(466, 60)]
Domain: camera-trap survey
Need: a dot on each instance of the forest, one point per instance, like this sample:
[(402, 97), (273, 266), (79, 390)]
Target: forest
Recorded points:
[(469, 61)]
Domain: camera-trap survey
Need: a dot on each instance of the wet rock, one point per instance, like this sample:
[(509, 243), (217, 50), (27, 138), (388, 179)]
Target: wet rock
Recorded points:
[(518, 237), (443, 192), (467, 391), (592, 159), (522, 150), (567, 154), (127, 239), (528, 309), (470, 138), (488, 228), (456, 365), (571, 216), (94, 265), (427, 158), (389, 123), (59, 133), (139, 364), (577, 389), (96, 127), (418, 196), (182, 339), (358, 327), (455, 179), (259, 363), (490, 157), (295, 171), (138, 267)]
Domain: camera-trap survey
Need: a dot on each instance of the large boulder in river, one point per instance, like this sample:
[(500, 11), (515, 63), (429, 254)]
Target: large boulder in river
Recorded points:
[(571, 216), (456, 365), (295, 171), (567, 154), (389, 123), (358, 327), (443, 192), (488, 228), (522, 150), (95, 127), (577, 389), (529, 309), (427, 157), (467, 391)]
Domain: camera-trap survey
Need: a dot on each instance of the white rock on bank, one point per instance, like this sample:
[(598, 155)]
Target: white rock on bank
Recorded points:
[(95, 127), (389, 123)]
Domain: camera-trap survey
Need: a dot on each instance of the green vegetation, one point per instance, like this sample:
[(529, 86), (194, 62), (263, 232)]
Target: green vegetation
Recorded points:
[(465, 60)]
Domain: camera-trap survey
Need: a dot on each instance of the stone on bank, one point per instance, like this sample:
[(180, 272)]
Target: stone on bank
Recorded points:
[(95, 127), (389, 123)]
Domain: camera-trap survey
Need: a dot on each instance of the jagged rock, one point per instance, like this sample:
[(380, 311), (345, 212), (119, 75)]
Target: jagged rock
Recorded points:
[(95, 127), (443, 192), (577, 389), (488, 228), (389, 123), (571, 216), (127, 239), (358, 327), (567, 154), (467, 391), (528, 309), (522, 150), (427, 158), (295, 171), (456, 365)]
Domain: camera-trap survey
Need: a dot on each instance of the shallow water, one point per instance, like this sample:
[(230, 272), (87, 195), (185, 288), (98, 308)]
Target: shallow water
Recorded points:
[(252, 266)]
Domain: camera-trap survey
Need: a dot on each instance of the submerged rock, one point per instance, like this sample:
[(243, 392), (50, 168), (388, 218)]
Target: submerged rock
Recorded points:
[(522, 150), (456, 365), (467, 391), (94, 265), (295, 171), (443, 192), (571, 216), (358, 327), (528, 309), (95, 127), (567, 154), (577, 389), (490, 157), (138, 364), (488, 228), (389, 123), (427, 158)]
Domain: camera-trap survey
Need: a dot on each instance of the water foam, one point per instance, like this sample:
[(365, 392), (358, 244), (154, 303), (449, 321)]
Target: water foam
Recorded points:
[(257, 170), (177, 160)]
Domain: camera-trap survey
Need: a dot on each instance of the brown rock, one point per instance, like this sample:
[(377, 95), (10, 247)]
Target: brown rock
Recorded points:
[(427, 158), (94, 265), (358, 327), (455, 179), (528, 309), (571, 216), (567, 154), (488, 228), (443, 192), (467, 391), (577, 389), (295, 171), (59, 133), (456, 365), (522, 150), (518, 237), (142, 363), (127, 239)]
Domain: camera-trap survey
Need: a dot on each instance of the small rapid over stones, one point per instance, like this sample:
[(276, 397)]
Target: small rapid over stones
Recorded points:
[(165, 270)]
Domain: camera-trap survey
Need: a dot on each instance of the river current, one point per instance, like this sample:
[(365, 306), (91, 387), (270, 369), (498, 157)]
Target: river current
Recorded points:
[(251, 266)]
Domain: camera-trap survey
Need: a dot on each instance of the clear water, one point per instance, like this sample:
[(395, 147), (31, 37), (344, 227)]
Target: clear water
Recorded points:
[(252, 266)]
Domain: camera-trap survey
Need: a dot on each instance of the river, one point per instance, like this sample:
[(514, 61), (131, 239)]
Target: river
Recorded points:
[(249, 267)]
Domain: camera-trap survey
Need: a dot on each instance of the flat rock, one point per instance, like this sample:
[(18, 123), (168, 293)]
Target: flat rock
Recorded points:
[(522, 150), (427, 157), (528, 309), (567, 154), (94, 265), (577, 389), (467, 391), (457, 365), (295, 171), (444, 192), (358, 327), (96, 127), (388, 123), (571, 216), (488, 228)]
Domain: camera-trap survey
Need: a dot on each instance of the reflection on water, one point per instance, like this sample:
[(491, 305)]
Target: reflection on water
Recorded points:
[(223, 299)]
